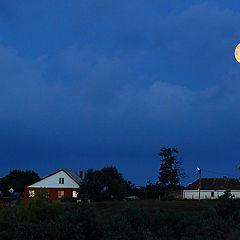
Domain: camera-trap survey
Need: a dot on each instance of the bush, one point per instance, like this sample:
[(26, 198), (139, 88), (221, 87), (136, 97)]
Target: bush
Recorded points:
[(35, 210), (226, 208), (68, 228), (130, 224), (31, 231), (135, 217), (43, 219), (226, 195), (84, 214), (214, 228), (120, 230), (8, 218), (165, 224)]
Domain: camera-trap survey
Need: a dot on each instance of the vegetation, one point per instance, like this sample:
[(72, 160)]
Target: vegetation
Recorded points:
[(108, 219), (170, 171), (169, 176), (35, 210), (109, 184), (105, 184), (17, 180), (44, 219)]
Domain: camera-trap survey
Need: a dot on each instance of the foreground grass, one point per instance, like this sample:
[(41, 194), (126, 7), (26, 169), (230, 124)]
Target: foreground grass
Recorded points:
[(38, 219), (107, 210)]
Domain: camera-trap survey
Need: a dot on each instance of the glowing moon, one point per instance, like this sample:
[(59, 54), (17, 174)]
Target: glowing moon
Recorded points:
[(237, 53)]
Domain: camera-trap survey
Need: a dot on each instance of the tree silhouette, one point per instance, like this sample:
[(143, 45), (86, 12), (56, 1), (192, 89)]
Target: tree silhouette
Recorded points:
[(170, 171), (18, 179)]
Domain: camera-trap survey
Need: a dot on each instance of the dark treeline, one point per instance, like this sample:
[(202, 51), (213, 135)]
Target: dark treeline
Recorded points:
[(18, 179), (108, 184), (42, 219)]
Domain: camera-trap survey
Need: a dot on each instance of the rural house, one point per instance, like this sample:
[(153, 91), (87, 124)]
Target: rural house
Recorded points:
[(212, 188), (63, 183)]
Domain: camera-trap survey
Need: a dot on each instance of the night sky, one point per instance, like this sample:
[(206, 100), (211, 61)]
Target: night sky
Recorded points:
[(89, 83)]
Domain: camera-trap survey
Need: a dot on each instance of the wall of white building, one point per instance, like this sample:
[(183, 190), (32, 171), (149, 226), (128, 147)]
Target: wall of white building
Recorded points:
[(53, 181), (207, 194)]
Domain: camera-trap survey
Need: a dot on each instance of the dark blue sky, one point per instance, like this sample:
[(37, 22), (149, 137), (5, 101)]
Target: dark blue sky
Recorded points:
[(87, 84)]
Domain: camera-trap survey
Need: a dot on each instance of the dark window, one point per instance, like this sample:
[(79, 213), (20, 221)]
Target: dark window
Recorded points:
[(212, 194), (61, 180), (47, 195)]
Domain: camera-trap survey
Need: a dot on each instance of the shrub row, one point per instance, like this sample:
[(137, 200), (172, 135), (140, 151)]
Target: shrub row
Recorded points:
[(40, 219)]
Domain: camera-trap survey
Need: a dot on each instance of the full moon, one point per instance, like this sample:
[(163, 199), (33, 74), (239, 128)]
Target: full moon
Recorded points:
[(237, 53)]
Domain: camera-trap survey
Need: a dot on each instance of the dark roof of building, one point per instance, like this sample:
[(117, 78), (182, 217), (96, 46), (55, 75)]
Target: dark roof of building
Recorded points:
[(74, 176), (215, 184)]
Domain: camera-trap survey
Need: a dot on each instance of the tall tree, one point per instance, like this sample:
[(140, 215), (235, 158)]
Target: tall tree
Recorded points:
[(92, 184), (115, 186), (104, 184), (170, 171), (18, 179)]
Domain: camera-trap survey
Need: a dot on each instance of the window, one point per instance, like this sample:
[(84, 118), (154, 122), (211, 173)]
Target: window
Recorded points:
[(74, 194), (212, 194), (31, 193), (60, 194), (47, 195), (61, 180)]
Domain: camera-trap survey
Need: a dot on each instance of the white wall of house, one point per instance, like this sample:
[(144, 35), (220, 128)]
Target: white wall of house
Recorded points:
[(207, 194), (53, 182)]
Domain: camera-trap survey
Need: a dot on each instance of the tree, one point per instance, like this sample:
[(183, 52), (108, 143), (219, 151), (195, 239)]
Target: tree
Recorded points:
[(17, 180), (92, 184), (106, 184), (170, 171)]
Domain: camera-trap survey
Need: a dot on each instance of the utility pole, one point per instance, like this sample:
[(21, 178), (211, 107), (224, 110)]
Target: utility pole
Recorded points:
[(199, 186)]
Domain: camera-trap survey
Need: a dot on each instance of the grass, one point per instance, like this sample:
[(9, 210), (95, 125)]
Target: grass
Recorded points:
[(106, 210)]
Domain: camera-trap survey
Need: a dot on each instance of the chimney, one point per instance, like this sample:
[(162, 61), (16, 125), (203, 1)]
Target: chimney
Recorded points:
[(81, 174)]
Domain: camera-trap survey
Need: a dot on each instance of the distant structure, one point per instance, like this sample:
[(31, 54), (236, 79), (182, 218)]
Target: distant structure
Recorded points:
[(63, 183), (212, 188)]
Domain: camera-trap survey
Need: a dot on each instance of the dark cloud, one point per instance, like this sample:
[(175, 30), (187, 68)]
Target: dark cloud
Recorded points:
[(146, 82), (7, 11)]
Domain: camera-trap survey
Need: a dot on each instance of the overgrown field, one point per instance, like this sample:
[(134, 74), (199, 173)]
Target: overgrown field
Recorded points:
[(41, 219), (107, 210)]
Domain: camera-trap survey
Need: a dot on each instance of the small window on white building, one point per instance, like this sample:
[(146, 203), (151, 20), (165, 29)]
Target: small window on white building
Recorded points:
[(60, 194), (74, 194), (212, 194), (61, 180), (31, 193)]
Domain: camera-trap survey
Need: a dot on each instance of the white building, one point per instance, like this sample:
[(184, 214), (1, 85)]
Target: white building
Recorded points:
[(212, 188), (63, 183)]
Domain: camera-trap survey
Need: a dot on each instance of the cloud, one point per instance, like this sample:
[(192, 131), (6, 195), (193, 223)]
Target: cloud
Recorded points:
[(177, 86), (199, 41)]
